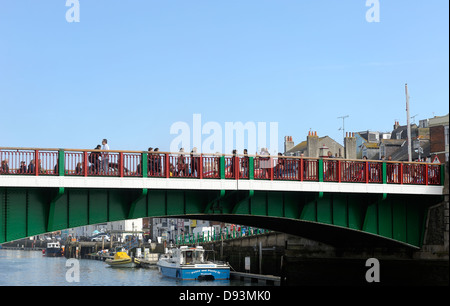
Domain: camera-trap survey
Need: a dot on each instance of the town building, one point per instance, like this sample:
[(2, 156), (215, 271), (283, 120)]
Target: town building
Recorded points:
[(400, 131), (390, 146), (428, 140), (371, 150), (368, 144), (397, 145), (439, 137), (313, 146), (119, 229), (167, 229)]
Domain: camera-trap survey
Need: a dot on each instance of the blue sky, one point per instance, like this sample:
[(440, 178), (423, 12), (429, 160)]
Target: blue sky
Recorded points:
[(130, 69)]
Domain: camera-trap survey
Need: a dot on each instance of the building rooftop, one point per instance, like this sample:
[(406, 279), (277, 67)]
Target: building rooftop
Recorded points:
[(371, 145), (392, 142), (402, 153)]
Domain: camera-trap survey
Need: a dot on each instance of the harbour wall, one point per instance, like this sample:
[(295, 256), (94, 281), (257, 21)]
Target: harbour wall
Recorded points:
[(299, 261)]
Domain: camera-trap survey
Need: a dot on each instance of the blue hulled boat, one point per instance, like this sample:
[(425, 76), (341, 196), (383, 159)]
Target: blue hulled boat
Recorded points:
[(188, 263)]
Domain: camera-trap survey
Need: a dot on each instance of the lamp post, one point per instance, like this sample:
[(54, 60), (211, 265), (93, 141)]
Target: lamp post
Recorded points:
[(408, 126)]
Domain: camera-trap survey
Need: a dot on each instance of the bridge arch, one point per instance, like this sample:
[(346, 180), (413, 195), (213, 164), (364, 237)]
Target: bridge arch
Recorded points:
[(332, 218)]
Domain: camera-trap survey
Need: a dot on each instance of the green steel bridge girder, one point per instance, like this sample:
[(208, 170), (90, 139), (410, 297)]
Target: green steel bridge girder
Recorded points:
[(333, 218)]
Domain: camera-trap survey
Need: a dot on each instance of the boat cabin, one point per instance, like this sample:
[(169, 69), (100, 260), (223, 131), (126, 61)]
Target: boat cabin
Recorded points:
[(189, 255), (55, 245)]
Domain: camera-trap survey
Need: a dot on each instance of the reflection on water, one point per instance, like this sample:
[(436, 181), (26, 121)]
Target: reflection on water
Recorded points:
[(31, 268)]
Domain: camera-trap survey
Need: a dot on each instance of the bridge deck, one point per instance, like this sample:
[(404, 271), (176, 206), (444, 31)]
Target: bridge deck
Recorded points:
[(224, 184), (25, 167)]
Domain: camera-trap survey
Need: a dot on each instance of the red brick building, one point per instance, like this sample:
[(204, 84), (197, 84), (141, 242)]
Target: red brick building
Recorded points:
[(439, 137)]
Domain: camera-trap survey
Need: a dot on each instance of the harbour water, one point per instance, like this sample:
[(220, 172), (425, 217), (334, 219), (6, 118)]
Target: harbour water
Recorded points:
[(31, 268)]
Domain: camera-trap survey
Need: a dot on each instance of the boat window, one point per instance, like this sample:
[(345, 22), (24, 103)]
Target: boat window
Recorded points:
[(189, 257), (199, 256)]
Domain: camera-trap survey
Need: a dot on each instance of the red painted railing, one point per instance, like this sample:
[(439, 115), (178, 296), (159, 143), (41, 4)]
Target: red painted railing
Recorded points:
[(351, 171), (23, 161), (210, 166), (155, 165)]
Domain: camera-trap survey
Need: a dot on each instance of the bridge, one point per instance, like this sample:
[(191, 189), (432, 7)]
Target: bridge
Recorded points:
[(336, 201)]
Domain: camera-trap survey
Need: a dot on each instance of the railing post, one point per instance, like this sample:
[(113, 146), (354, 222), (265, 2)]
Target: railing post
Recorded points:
[(301, 169), (384, 173), (271, 168), (121, 164), (200, 166), (222, 167), (366, 171), (400, 179), (36, 162), (320, 170), (86, 163), (61, 162), (251, 168), (426, 174), (237, 167), (442, 174), (144, 164), (339, 170), (166, 165)]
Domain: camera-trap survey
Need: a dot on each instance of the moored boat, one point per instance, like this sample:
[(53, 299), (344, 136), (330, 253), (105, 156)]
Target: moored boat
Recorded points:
[(53, 249), (188, 263), (122, 260)]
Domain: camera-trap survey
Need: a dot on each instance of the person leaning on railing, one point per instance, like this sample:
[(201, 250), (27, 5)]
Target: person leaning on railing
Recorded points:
[(150, 163), (157, 162), (391, 171), (233, 164), (279, 168), (181, 164), (195, 163), (5, 167), (94, 159), (23, 168), (31, 166), (245, 163), (79, 169), (264, 163), (331, 165)]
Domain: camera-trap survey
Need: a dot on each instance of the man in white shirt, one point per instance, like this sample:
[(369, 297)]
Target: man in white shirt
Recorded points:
[(105, 156)]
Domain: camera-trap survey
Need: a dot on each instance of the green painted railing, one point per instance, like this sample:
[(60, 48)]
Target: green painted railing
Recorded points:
[(217, 235)]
